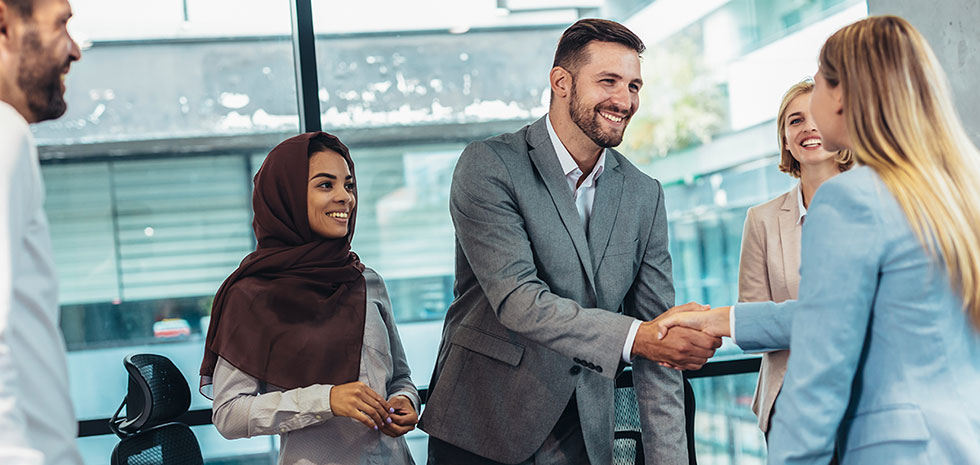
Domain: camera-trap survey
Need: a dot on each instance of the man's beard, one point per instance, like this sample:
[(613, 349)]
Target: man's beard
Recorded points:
[(40, 80), (586, 119)]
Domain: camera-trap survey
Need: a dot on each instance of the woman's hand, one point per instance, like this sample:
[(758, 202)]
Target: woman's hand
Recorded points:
[(356, 400), (712, 322), (403, 419)]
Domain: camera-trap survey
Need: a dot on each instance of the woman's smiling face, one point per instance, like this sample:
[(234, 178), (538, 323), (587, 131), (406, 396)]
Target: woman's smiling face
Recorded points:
[(801, 137), (330, 194)]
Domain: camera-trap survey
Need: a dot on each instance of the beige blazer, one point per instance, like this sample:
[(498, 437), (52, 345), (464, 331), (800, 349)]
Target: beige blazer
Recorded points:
[(769, 270)]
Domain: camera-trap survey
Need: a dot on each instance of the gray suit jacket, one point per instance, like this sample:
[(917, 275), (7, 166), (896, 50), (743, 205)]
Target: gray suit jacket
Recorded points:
[(539, 304), (769, 270)]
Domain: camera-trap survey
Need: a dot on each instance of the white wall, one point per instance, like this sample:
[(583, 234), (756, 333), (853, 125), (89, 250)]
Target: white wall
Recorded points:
[(951, 28)]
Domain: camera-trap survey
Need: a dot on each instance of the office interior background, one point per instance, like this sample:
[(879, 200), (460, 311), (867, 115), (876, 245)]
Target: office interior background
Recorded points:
[(173, 108)]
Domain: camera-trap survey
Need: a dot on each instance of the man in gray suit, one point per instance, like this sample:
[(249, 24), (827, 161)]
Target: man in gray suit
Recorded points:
[(561, 252)]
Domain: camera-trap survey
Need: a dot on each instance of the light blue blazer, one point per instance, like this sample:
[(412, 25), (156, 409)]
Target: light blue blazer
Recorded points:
[(884, 361)]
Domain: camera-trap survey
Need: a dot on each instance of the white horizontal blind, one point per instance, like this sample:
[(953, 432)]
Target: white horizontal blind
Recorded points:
[(78, 203), (183, 224)]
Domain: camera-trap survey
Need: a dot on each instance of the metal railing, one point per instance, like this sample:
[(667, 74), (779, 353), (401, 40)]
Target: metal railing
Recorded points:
[(100, 426)]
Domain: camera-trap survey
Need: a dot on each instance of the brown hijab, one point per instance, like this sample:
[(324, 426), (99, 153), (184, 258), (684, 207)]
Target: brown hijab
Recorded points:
[(292, 314)]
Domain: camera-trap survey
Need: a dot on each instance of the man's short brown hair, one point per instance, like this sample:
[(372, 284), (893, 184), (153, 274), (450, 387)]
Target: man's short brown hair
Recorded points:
[(24, 8), (571, 47)]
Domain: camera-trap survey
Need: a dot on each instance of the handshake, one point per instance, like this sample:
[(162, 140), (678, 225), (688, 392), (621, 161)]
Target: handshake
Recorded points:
[(684, 337)]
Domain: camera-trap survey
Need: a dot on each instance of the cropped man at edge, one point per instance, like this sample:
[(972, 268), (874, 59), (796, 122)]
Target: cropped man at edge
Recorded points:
[(561, 252), (37, 421)]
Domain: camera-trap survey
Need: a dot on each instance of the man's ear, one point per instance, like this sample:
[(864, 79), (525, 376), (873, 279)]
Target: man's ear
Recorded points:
[(561, 82)]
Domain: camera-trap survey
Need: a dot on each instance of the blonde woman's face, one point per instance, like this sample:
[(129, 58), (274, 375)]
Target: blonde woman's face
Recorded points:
[(801, 137), (826, 109)]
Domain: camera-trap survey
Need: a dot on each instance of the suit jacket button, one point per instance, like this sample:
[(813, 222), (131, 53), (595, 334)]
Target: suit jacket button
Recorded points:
[(575, 370), (599, 369)]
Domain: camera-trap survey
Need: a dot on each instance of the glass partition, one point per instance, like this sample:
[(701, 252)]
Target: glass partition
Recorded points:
[(172, 111), (148, 184)]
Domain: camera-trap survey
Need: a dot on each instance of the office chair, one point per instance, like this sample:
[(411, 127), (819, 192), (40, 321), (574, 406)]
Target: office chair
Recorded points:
[(157, 394), (627, 440)]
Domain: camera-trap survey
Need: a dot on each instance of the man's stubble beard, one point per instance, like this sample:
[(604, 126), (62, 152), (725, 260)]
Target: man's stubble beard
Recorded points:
[(40, 80), (586, 119)]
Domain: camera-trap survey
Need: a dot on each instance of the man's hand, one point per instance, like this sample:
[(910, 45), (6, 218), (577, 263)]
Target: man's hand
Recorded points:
[(683, 348), (403, 417)]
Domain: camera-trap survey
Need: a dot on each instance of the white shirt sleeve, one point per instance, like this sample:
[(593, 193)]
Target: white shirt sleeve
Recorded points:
[(14, 446), (630, 337), (242, 409)]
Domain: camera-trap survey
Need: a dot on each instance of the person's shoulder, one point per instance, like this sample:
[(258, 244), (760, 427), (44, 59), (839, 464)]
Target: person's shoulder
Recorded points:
[(248, 288), (859, 184), (855, 195), (632, 175), (502, 145), (771, 206), (493, 157), (372, 277), (15, 137)]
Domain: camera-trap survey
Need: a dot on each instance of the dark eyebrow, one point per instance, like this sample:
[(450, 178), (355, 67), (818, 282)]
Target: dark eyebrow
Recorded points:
[(328, 176), (614, 75)]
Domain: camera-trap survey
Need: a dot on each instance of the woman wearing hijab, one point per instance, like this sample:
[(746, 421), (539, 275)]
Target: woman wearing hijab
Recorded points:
[(885, 335), (302, 341)]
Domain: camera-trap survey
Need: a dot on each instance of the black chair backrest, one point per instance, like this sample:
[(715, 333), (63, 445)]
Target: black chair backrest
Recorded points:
[(157, 394), (168, 444)]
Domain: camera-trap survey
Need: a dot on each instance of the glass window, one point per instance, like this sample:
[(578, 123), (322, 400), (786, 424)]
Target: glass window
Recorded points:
[(172, 111), (726, 430), (148, 184)]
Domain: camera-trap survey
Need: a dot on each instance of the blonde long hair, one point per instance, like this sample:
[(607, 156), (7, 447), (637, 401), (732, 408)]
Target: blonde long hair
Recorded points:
[(902, 123)]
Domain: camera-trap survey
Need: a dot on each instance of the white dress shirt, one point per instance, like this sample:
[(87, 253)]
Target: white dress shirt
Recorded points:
[(37, 421), (584, 196), (731, 311)]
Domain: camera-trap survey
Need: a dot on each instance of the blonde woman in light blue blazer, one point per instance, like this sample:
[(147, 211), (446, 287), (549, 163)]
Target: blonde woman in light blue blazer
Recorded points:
[(885, 364)]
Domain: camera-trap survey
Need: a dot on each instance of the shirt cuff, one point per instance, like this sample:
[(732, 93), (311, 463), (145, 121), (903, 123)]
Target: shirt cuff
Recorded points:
[(731, 323), (628, 348)]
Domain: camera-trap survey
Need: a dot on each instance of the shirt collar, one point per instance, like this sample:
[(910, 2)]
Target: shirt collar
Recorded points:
[(799, 201), (568, 164), (12, 112)]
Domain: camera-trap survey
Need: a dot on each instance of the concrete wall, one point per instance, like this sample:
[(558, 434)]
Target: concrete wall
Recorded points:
[(951, 27)]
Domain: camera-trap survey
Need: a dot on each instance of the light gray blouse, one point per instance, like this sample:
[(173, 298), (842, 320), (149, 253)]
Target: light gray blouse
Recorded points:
[(309, 432)]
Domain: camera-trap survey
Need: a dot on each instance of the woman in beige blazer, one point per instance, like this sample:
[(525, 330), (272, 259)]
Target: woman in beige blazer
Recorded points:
[(769, 267)]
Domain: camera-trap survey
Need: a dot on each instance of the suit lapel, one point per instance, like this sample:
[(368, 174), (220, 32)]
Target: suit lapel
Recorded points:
[(605, 208), (545, 160), (789, 240)]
